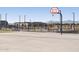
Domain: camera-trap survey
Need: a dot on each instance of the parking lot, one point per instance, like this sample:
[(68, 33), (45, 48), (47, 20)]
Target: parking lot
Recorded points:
[(38, 42)]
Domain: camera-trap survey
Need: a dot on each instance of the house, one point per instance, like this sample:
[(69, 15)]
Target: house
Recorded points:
[(3, 24), (30, 25)]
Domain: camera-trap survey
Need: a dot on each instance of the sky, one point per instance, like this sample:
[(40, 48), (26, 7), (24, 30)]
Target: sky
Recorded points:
[(37, 14)]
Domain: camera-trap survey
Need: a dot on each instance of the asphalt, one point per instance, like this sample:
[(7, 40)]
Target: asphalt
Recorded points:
[(38, 42)]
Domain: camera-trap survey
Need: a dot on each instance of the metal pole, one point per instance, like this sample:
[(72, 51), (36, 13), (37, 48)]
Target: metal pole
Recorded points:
[(0, 21), (19, 23), (6, 16), (24, 21), (30, 24), (60, 23), (74, 21), (6, 21), (24, 18), (0, 17)]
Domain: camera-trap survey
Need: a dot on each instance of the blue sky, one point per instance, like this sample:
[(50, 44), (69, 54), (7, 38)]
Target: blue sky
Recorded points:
[(37, 13)]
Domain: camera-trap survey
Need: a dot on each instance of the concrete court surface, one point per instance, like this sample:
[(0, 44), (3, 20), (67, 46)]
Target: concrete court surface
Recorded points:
[(38, 42)]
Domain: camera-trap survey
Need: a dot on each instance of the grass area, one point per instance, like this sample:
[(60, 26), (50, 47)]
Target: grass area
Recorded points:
[(3, 30)]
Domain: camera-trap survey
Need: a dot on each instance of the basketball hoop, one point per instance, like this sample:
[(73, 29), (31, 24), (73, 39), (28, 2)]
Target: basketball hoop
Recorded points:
[(54, 10)]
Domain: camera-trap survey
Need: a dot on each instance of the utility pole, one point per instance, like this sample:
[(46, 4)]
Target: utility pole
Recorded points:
[(6, 16), (73, 21), (19, 23), (0, 17), (6, 21), (24, 21), (24, 18), (0, 21), (30, 24)]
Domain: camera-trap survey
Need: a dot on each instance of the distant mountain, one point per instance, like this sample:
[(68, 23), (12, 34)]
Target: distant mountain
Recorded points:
[(67, 21)]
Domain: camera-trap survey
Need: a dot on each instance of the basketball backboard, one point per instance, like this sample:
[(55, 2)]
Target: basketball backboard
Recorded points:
[(54, 10)]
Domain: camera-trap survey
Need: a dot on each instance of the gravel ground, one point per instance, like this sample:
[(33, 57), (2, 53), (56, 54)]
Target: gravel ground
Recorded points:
[(38, 42)]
